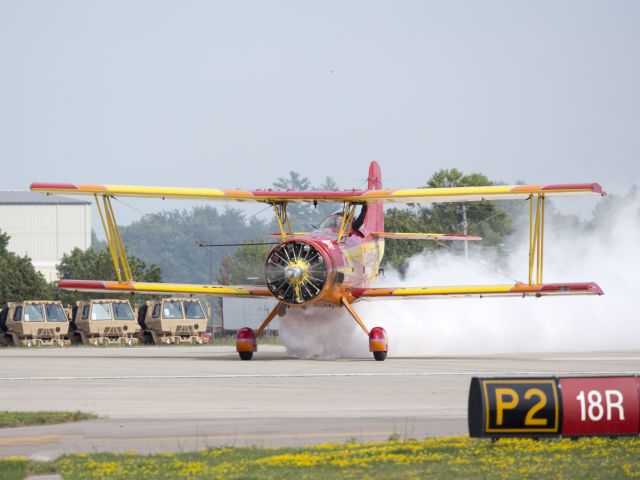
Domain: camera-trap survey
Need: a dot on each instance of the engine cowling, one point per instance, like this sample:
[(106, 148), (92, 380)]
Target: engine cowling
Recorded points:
[(296, 272)]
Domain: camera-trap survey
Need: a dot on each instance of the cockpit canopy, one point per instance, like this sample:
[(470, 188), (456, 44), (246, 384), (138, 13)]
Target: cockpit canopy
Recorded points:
[(331, 222)]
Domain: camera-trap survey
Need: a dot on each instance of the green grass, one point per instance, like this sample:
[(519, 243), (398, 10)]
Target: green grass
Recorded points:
[(25, 419), (266, 338), (17, 468), (455, 457)]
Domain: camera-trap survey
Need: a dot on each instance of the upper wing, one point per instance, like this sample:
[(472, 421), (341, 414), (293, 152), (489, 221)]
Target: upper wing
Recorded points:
[(425, 236), (164, 288), (517, 290), (416, 195)]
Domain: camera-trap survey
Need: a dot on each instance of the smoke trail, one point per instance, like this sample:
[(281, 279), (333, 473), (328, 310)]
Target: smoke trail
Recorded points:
[(496, 325)]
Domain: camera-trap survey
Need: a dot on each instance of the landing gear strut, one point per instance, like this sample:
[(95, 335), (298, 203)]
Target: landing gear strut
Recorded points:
[(378, 343)]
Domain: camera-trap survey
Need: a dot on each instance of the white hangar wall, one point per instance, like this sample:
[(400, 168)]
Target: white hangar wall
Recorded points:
[(45, 227)]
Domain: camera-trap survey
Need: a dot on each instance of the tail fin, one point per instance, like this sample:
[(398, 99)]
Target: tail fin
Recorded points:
[(374, 222)]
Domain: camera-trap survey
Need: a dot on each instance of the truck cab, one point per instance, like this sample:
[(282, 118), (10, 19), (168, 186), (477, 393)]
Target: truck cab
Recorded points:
[(33, 323), (103, 322), (172, 320)]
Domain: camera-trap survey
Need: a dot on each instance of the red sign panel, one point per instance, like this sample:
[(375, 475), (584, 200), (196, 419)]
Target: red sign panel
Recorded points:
[(600, 406)]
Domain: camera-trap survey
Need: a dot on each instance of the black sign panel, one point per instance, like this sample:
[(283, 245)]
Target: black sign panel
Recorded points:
[(512, 407)]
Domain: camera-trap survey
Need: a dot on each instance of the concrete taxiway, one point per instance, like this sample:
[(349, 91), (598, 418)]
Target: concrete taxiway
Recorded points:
[(183, 398)]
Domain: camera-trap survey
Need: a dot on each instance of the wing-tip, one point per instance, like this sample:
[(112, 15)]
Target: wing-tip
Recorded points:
[(584, 287), (589, 187), (47, 186)]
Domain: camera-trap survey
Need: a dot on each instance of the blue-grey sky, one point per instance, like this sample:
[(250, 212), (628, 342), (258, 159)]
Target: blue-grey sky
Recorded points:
[(236, 93)]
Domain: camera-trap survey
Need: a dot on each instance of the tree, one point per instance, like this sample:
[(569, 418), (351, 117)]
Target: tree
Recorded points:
[(323, 209), (168, 239), (96, 264), (485, 219), (299, 212), (246, 265), (18, 279)]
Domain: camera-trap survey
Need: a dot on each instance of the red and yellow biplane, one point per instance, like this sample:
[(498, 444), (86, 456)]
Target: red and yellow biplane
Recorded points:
[(337, 263)]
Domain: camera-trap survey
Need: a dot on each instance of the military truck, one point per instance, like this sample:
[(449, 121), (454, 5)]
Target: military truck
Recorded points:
[(103, 322), (33, 323), (172, 320)]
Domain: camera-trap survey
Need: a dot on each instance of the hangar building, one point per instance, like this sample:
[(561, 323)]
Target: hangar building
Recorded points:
[(44, 227)]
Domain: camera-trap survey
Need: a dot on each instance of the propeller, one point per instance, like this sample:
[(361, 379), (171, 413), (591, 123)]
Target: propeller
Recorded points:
[(296, 272)]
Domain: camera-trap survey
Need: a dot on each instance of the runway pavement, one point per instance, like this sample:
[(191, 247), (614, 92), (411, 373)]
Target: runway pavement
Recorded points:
[(183, 398)]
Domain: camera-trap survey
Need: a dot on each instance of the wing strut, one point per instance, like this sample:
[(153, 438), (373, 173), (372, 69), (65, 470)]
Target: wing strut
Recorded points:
[(536, 238), (280, 209), (114, 241)]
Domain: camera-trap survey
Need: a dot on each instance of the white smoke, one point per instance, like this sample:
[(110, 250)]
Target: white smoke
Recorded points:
[(469, 326)]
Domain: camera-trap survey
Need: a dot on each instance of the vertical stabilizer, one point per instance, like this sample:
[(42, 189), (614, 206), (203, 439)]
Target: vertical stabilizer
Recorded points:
[(374, 222)]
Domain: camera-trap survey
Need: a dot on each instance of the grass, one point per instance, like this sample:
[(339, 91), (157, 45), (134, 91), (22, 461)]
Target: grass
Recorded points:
[(266, 338), (25, 419), (454, 457)]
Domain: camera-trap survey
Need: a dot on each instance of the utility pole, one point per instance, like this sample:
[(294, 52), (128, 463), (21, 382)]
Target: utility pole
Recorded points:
[(465, 229)]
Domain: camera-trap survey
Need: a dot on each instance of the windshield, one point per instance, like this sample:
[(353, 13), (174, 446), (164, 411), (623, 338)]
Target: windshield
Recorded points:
[(172, 309), (33, 313), (332, 221), (101, 311), (122, 311), (193, 310), (55, 313)]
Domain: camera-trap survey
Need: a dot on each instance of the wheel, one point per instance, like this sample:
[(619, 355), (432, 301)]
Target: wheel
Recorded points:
[(245, 355), (380, 356)]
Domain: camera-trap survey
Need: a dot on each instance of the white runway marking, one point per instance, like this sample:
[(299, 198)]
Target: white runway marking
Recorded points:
[(595, 359), (321, 375)]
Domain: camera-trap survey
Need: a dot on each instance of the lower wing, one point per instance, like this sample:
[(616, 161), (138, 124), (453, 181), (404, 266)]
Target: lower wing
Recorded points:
[(517, 290), (165, 288)]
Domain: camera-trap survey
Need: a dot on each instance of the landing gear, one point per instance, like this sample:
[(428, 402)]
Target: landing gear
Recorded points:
[(378, 343), (246, 343), (246, 337)]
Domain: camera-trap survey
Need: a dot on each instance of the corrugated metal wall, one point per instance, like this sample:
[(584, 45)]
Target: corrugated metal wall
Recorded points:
[(248, 312), (46, 232)]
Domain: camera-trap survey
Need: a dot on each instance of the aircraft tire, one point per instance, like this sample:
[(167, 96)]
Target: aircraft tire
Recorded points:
[(245, 355), (380, 356)]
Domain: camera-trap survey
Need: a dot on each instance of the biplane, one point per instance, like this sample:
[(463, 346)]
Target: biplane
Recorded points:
[(337, 263)]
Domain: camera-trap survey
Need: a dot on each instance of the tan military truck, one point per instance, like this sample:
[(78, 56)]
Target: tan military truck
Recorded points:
[(33, 323), (172, 320), (103, 322)]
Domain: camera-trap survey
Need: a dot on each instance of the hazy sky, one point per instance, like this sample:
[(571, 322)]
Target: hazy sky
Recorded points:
[(236, 93)]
